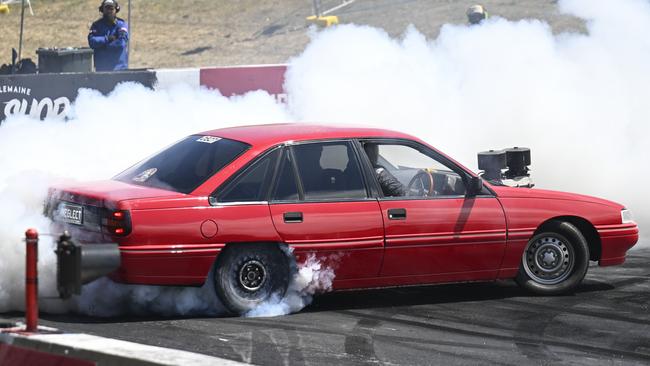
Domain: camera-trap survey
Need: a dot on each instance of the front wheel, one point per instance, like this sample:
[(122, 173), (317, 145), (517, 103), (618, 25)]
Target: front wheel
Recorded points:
[(249, 274), (555, 261)]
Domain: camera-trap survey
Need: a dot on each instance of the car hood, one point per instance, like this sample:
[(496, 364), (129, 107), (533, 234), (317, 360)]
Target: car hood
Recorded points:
[(509, 192), (105, 191)]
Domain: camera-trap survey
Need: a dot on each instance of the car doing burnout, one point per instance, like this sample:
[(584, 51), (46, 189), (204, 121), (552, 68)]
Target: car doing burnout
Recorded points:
[(237, 206)]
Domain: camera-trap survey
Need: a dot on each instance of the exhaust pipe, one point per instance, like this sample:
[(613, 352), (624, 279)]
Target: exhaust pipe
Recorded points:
[(78, 264)]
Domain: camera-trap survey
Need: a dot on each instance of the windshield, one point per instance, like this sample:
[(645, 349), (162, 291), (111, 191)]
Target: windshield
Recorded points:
[(185, 165)]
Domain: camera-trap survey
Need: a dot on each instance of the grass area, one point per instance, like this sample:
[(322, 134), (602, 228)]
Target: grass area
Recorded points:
[(165, 33)]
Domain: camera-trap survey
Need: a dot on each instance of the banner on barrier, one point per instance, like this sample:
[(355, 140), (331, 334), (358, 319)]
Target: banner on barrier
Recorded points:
[(50, 95)]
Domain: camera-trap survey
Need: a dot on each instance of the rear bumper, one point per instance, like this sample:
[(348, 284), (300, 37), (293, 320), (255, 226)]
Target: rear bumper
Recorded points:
[(616, 240), (166, 264)]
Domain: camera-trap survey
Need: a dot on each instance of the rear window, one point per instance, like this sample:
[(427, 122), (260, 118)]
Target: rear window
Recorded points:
[(185, 165)]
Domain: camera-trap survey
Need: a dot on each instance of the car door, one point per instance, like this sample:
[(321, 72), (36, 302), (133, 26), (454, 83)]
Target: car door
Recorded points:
[(431, 226), (321, 206)]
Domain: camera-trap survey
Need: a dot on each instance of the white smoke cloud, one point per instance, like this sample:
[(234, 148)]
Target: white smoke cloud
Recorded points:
[(104, 298), (311, 277), (104, 135), (579, 101)]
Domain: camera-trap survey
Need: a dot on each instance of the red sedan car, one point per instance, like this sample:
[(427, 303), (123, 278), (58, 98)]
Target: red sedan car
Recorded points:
[(382, 208)]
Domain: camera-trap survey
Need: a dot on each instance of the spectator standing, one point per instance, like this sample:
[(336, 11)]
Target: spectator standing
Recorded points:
[(109, 37)]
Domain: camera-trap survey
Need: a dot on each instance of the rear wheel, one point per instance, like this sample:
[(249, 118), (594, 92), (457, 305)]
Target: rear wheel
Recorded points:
[(555, 261), (249, 274)]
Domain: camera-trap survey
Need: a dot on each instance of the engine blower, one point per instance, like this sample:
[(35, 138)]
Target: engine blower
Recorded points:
[(516, 160)]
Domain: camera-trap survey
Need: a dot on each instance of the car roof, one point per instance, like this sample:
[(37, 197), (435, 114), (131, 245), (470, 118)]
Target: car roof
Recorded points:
[(274, 134)]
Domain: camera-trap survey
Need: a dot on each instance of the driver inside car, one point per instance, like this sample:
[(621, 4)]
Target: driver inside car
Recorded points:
[(389, 184)]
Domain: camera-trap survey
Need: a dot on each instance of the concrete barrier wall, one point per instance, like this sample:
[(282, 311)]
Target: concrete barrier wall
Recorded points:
[(239, 80), (17, 356), (50, 95), (50, 346)]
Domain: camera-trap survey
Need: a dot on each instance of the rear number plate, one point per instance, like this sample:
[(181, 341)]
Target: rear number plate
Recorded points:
[(72, 214)]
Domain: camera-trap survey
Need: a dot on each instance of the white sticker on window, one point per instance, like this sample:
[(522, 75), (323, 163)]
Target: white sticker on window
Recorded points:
[(144, 176), (209, 139)]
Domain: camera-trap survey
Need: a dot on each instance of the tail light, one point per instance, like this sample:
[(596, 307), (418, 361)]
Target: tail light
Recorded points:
[(117, 223)]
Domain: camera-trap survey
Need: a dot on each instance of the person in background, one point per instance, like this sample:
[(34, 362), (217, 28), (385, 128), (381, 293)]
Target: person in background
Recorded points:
[(109, 37), (476, 14)]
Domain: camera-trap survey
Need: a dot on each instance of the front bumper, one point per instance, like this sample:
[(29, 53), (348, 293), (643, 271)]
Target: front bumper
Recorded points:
[(616, 240)]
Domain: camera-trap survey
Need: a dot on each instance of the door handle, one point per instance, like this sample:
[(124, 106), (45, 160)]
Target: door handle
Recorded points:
[(397, 214), (292, 217)]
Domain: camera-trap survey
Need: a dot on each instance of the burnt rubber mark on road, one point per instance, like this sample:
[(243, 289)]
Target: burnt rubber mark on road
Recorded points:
[(265, 350), (296, 357), (509, 338), (462, 352), (531, 329), (359, 343), (563, 309)]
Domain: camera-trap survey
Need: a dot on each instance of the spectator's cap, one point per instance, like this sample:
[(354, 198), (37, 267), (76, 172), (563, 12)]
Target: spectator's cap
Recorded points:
[(476, 14), (109, 2)]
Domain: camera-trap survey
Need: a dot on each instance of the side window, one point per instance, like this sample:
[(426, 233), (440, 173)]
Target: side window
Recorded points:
[(253, 184), (286, 188), (329, 171), (405, 171)]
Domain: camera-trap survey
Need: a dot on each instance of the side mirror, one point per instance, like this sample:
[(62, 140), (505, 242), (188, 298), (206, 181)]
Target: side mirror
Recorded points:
[(475, 186)]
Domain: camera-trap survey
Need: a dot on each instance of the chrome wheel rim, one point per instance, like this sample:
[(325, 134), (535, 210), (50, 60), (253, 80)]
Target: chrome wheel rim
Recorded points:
[(548, 260), (252, 275)]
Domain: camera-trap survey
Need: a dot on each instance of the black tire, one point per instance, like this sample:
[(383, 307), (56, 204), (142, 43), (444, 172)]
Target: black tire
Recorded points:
[(246, 275), (554, 261)]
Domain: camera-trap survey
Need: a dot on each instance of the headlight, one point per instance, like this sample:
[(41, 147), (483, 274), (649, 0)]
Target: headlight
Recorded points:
[(626, 216)]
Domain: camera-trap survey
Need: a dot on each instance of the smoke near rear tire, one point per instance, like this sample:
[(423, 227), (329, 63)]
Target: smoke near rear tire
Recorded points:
[(249, 274), (554, 261)]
